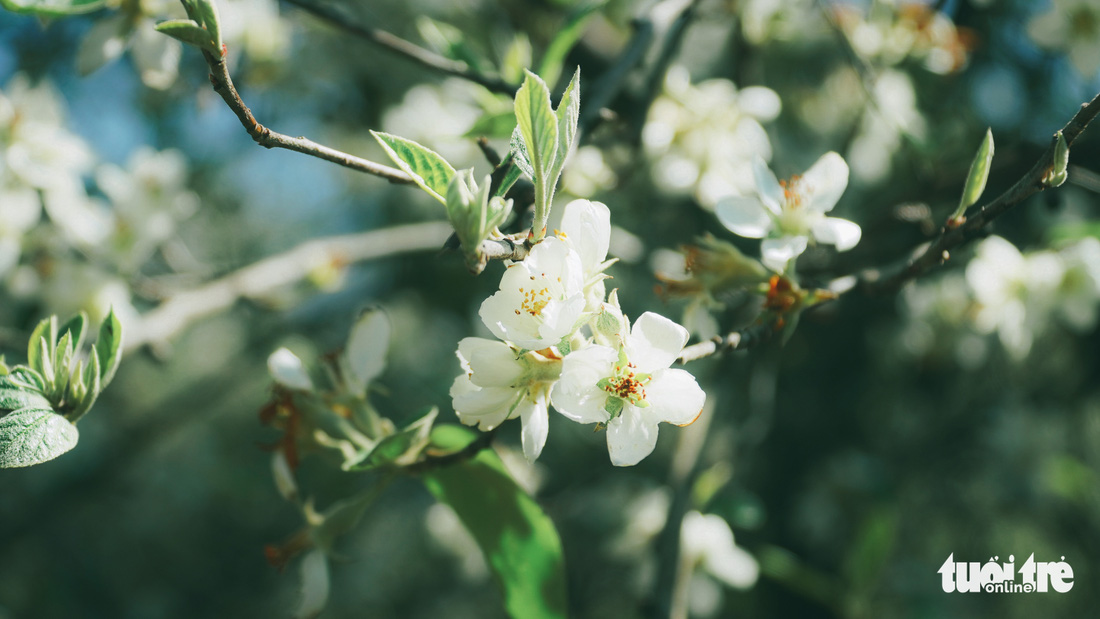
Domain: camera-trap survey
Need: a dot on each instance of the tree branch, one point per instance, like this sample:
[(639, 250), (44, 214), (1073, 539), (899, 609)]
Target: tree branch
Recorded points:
[(263, 277), (223, 85), (938, 251), (393, 43), (746, 338)]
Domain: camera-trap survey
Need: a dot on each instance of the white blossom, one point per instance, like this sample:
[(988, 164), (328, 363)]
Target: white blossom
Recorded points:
[(288, 370), (586, 227), (499, 383), (1072, 26), (630, 388), (702, 137), (707, 541), (541, 299), (788, 214)]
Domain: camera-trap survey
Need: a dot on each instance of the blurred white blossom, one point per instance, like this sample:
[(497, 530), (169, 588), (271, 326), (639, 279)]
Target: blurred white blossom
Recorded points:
[(788, 214), (1073, 27), (701, 138), (439, 116)]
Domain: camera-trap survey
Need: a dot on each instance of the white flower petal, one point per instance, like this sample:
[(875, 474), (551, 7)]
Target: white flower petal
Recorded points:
[(576, 395), (631, 436), (536, 425), (674, 397), (744, 216), (314, 593), (654, 342), (842, 233), (156, 56), (487, 408), (491, 363), (824, 182), (287, 369), (767, 185), (587, 226), (777, 253), (365, 353)]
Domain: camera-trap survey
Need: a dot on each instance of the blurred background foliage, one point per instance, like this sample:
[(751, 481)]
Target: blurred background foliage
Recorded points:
[(961, 415)]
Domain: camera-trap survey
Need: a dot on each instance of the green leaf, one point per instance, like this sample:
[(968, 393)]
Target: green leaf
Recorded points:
[(1058, 173), (52, 8), (4, 369), (568, 113), (537, 124), (191, 33), (47, 328), (108, 347), (494, 124), (511, 175), (520, 156), (979, 174), (568, 35), (77, 326), (88, 386), (426, 167), (401, 448), (519, 540), (15, 395), (210, 20), (34, 435)]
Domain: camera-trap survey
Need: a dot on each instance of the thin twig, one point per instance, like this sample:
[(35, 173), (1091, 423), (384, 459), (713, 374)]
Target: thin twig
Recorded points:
[(263, 277), (396, 44), (223, 85), (744, 339), (938, 251)]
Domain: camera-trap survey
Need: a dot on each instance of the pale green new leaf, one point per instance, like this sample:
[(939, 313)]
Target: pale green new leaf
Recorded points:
[(34, 435), (568, 113), (191, 33), (1059, 169), (52, 8), (15, 395), (77, 325), (46, 328), (538, 125), (427, 168), (401, 448), (108, 347), (210, 20), (519, 540), (979, 174), (520, 156)]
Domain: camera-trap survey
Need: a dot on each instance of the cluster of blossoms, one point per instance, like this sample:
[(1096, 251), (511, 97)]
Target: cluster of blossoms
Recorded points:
[(1073, 27), (890, 33), (702, 138), (1018, 296), (117, 215), (562, 344)]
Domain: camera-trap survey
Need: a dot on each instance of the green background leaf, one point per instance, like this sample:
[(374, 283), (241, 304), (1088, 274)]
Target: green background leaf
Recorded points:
[(52, 8), (518, 539), (34, 435)]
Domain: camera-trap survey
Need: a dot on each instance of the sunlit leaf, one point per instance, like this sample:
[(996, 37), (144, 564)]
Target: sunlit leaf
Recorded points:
[(34, 435), (979, 174), (108, 346), (427, 168), (518, 539)]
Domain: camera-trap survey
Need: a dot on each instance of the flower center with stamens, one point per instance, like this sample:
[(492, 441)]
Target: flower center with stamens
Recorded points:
[(535, 299), (626, 387)]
